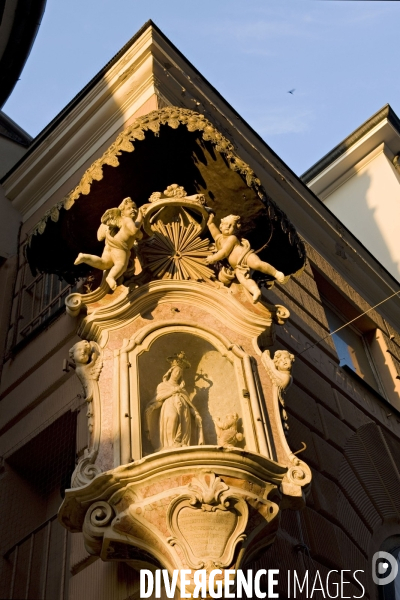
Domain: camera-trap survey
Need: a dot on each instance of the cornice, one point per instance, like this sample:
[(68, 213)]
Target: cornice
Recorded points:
[(80, 97), (82, 134), (385, 113), (106, 314), (90, 146), (314, 221)]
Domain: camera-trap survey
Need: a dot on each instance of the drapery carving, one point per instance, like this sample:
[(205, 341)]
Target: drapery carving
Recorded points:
[(171, 418)]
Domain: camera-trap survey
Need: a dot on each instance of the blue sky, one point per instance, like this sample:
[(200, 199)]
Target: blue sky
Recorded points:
[(340, 56)]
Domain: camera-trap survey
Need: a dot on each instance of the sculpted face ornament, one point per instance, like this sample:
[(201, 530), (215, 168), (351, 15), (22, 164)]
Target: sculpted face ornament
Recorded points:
[(120, 228), (283, 361), (241, 258), (80, 353)]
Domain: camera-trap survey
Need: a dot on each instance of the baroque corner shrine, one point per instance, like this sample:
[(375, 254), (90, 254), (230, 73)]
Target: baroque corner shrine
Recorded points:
[(187, 463), (181, 389)]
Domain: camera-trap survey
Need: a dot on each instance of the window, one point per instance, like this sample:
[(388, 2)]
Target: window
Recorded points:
[(352, 348), (368, 347), (36, 300)]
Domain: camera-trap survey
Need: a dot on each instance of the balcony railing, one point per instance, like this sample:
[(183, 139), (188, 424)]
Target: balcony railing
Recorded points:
[(38, 563), (36, 300)]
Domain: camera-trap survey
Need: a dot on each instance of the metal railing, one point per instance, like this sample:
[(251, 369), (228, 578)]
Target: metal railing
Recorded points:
[(46, 548), (36, 299)]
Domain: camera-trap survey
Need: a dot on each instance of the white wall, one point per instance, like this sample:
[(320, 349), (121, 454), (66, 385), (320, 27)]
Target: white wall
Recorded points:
[(368, 204)]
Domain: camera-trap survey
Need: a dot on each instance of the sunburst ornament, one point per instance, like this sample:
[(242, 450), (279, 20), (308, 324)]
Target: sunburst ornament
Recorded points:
[(175, 251), (175, 221)]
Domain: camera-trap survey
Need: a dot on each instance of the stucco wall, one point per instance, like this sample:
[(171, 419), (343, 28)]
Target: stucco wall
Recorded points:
[(368, 203)]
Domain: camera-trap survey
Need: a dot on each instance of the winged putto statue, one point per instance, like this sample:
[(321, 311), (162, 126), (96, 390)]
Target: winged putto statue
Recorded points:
[(240, 256), (120, 228)]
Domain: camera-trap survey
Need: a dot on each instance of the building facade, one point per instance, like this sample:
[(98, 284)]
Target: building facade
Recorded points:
[(164, 415)]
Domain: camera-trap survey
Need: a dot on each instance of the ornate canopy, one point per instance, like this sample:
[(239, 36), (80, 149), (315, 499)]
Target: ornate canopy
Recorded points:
[(165, 146)]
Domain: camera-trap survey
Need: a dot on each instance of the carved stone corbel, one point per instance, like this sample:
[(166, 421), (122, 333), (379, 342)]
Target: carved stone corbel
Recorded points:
[(180, 509)]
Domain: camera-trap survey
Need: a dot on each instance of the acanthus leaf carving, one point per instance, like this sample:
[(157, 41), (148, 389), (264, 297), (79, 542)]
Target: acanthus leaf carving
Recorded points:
[(191, 518), (207, 491)]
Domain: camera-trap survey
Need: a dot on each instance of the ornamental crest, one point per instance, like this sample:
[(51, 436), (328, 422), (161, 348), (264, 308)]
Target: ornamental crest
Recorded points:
[(208, 522)]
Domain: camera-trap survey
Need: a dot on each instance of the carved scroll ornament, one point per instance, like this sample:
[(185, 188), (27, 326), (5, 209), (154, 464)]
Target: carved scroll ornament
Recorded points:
[(279, 369), (196, 508)]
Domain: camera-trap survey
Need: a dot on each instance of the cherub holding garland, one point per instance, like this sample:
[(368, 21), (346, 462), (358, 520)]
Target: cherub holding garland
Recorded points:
[(239, 254)]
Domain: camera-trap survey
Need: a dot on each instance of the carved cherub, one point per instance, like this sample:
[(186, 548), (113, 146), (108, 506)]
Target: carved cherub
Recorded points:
[(227, 433), (88, 364), (239, 254), (279, 369), (120, 228)]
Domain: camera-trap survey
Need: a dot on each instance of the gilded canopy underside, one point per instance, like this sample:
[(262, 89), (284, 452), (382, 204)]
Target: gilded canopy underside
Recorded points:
[(166, 146)]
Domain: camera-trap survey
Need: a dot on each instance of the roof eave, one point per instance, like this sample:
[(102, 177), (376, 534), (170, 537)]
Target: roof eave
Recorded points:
[(386, 112)]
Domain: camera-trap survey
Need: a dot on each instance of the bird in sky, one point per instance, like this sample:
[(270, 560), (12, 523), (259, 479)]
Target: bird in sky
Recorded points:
[(291, 91)]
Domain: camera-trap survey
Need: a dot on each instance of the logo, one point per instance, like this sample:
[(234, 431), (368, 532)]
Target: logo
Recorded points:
[(384, 568)]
